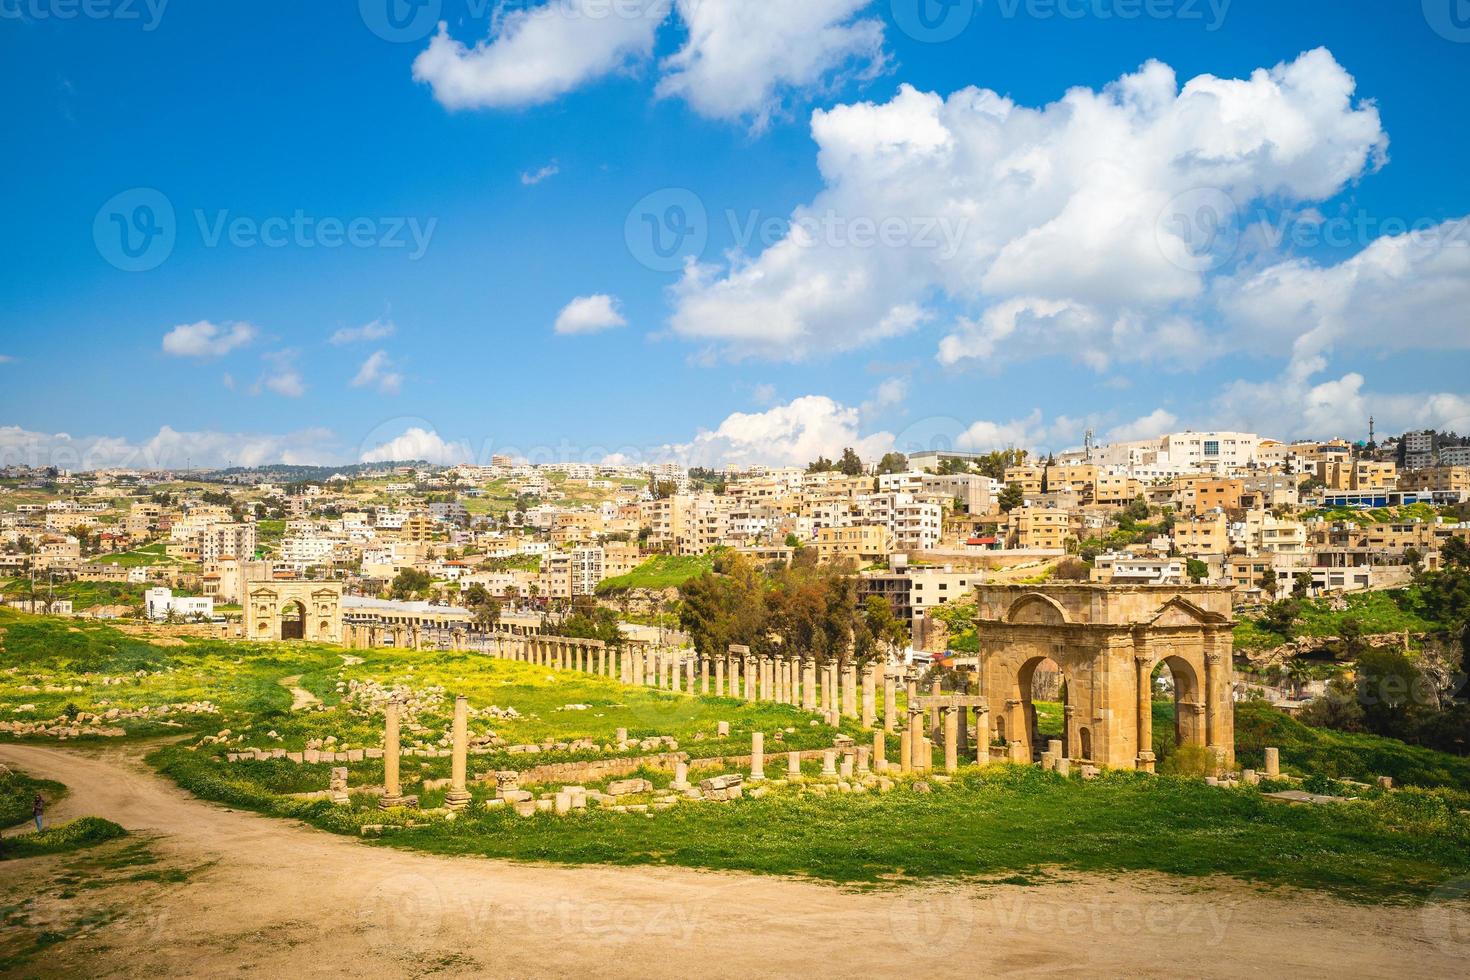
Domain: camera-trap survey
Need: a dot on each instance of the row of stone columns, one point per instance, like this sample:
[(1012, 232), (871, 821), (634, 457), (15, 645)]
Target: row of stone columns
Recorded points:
[(831, 691)]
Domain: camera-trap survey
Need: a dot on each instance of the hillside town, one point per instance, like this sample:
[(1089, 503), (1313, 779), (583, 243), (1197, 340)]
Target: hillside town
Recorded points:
[(1270, 519)]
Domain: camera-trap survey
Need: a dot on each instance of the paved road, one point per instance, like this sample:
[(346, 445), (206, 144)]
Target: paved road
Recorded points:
[(286, 899)]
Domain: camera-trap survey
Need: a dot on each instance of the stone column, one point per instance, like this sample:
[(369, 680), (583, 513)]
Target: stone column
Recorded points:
[(689, 676), (757, 757), (764, 672), (746, 663), (870, 695), (719, 677), (905, 751), (704, 676), (392, 789), (1273, 763), (677, 671), (829, 763), (1212, 698), (982, 736), (916, 737), (827, 690), (458, 796), (935, 690), (951, 739), (890, 703), (880, 757), (963, 745), (793, 764), (864, 757), (780, 666), (1143, 664), (809, 684), (849, 691)]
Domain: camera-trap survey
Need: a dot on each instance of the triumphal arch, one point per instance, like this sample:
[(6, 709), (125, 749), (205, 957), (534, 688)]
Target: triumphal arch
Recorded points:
[(1106, 642), (293, 611)]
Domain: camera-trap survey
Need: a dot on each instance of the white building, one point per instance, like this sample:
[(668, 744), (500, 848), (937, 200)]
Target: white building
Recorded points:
[(160, 602)]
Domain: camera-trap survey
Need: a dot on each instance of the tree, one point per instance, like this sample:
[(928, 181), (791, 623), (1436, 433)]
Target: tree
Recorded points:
[(851, 464), (1138, 510), (1455, 553), (1011, 497), (1337, 708), (820, 465), (1301, 585), (410, 583), (1267, 582), (1197, 570), (893, 463)]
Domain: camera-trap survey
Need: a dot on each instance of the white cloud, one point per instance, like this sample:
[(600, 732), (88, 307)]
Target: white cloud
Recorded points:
[(1062, 211), (530, 178), (168, 449), (417, 443), (890, 393), (986, 436), (1150, 426), (281, 377), (1298, 404), (376, 330), (536, 55), (590, 314), (377, 371), (742, 58), (6, 359), (786, 435), (1401, 292), (205, 339), (763, 393)]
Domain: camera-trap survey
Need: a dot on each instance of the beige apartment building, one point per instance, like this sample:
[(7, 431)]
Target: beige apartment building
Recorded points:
[(1441, 478), (863, 544), (1116, 490), (1208, 534), (1028, 478), (1039, 529)]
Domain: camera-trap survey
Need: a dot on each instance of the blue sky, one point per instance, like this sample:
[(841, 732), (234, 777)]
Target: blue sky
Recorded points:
[(504, 292)]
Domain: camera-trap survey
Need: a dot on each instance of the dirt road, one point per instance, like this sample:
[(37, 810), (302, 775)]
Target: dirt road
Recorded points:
[(275, 897)]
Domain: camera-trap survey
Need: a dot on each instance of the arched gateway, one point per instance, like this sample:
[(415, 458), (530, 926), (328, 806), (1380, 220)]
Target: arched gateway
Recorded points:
[(293, 611), (1106, 640)]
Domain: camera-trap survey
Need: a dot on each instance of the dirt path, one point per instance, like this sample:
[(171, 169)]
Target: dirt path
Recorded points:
[(284, 899), (300, 697)]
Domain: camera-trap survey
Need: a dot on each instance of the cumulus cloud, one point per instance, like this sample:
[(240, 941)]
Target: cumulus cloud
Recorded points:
[(590, 314), (1065, 212), (742, 59), (168, 449), (376, 330), (1402, 292), (793, 434), (377, 371), (282, 376), (1150, 426), (537, 54), (206, 339), (417, 443)]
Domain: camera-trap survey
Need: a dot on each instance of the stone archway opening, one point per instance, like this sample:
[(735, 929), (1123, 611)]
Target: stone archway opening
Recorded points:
[(1176, 680), (293, 621), (1041, 687)]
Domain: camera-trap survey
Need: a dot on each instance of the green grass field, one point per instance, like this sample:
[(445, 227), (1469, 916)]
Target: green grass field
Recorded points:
[(18, 793), (1391, 611), (988, 823), (659, 572), (61, 839), (146, 556)]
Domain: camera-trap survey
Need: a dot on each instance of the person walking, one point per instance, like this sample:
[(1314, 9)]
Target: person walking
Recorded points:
[(38, 810)]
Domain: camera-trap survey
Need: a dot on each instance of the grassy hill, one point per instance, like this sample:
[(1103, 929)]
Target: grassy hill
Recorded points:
[(660, 572)]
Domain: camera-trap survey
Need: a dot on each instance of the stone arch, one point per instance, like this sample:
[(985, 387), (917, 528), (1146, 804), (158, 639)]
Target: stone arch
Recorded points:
[(1189, 701), (1084, 740), (1038, 609), (1027, 728), (293, 620)]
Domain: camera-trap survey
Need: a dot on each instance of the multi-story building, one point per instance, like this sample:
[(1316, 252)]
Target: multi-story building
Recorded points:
[(862, 544), (1039, 529), (1215, 452), (1207, 534), (1437, 478), (1125, 569)]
